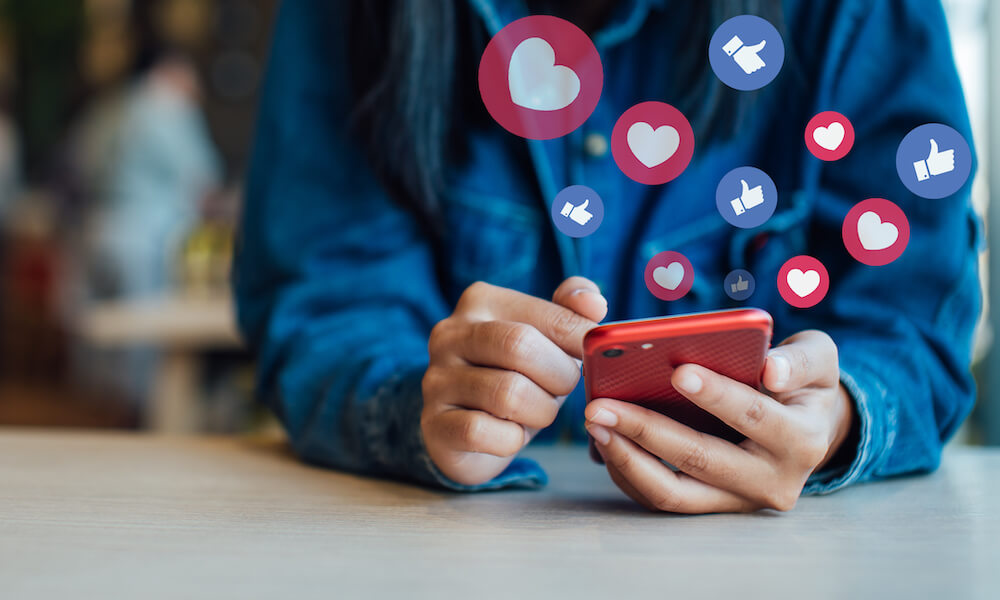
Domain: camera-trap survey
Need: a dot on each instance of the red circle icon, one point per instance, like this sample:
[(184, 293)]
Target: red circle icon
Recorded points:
[(803, 281), (829, 136), (652, 142), (540, 77), (669, 275), (876, 232)]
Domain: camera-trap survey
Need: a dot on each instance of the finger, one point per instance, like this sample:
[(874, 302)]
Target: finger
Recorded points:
[(705, 457), (806, 359), (522, 348), (583, 297), (561, 325), (662, 488), (750, 412), (507, 395), (934, 147), (464, 430)]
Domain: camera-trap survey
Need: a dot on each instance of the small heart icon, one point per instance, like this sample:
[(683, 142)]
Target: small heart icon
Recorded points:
[(652, 147), (536, 81), (670, 276), (829, 137), (801, 283), (874, 233)]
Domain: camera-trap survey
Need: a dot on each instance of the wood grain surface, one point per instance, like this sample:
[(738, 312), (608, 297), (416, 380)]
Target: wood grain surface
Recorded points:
[(130, 516)]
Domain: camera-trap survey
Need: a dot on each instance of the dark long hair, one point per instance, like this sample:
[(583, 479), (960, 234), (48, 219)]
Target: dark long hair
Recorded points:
[(414, 65)]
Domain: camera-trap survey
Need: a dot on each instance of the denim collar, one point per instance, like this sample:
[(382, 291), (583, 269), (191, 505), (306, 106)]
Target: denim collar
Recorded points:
[(625, 21)]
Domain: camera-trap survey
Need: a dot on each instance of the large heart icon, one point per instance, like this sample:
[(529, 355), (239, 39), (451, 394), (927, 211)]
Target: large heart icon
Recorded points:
[(670, 276), (874, 233), (652, 147), (801, 283), (536, 81), (829, 137)]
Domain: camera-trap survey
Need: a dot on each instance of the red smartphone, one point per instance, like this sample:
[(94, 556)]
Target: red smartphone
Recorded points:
[(633, 361)]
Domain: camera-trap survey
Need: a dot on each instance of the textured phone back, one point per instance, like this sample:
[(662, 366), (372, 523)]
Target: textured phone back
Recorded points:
[(643, 376)]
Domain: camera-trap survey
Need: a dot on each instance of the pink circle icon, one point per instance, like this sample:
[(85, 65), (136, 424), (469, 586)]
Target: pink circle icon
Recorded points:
[(803, 281), (540, 77), (652, 142), (829, 135), (876, 232), (669, 275)]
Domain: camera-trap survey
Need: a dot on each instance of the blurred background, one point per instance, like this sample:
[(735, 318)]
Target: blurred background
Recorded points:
[(125, 128)]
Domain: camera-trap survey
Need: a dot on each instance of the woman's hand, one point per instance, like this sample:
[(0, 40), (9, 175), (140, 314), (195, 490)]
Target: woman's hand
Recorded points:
[(500, 368), (790, 434)]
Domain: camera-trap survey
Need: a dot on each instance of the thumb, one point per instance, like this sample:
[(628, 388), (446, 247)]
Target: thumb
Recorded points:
[(934, 147), (746, 188), (739, 279), (585, 204), (757, 47), (583, 297)]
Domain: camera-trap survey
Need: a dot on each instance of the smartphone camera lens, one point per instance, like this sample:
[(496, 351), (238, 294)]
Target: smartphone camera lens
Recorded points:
[(613, 352)]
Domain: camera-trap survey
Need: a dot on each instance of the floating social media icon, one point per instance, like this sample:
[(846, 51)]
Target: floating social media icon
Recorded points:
[(746, 197), (934, 161), (829, 136), (746, 52), (876, 232), (577, 211), (652, 143), (669, 275), (739, 285), (540, 77), (803, 281)]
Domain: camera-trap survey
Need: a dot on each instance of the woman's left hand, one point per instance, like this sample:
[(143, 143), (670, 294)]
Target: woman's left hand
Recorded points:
[(790, 434)]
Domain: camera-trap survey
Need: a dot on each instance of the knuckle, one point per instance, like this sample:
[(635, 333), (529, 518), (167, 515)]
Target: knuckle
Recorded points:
[(506, 391), (473, 296), (756, 412), (694, 458), (622, 461), (471, 431), (565, 325), (437, 341), (781, 498), (666, 500), (516, 339)]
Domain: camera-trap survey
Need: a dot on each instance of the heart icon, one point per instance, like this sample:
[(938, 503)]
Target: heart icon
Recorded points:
[(652, 147), (801, 283), (874, 233), (830, 137), (536, 81), (670, 276)]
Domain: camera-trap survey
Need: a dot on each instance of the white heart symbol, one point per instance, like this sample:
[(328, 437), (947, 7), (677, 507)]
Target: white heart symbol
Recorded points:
[(670, 276), (652, 147), (536, 82), (874, 233), (801, 283), (829, 137)]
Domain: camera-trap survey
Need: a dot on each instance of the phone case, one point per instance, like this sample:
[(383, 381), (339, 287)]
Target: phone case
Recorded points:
[(733, 343)]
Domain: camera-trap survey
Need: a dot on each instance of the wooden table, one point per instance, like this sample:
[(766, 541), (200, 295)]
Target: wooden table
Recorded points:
[(181, 327), (127, 516)]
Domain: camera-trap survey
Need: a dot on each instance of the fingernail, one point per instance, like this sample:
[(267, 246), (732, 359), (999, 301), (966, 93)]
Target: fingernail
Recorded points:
[(782, 368), (604, 417), (601, 435), (597, 295), (689, 382)]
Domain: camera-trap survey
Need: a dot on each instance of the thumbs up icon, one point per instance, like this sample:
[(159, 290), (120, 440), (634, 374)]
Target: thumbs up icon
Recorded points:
[(745, 56), (741, 285), (578, 214), (937, 163), (748, 199)]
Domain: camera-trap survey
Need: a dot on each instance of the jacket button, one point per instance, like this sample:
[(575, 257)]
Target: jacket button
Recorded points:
[(595, 145)]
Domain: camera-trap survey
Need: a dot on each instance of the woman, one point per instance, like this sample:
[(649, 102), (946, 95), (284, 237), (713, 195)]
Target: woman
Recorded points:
[(382, 197)]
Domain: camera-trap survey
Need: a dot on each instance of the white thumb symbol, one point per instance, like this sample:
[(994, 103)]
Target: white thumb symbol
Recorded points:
[(934, 147), (585, 204), (746, 188), (757, 47)]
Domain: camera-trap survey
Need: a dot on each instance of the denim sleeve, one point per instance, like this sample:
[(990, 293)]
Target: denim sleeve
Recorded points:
[(904, 330), (335, 283)]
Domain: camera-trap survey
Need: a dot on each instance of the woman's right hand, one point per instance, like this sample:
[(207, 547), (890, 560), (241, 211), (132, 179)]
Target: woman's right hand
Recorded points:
[(500, 367)]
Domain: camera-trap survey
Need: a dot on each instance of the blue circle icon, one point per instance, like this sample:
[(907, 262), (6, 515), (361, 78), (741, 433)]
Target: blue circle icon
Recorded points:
[(739, 285), (746, 52), (746, 197), (934, 161), (577, 211)]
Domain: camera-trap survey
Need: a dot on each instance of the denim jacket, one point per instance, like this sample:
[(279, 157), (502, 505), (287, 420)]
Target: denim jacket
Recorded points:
[(337, 284)]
